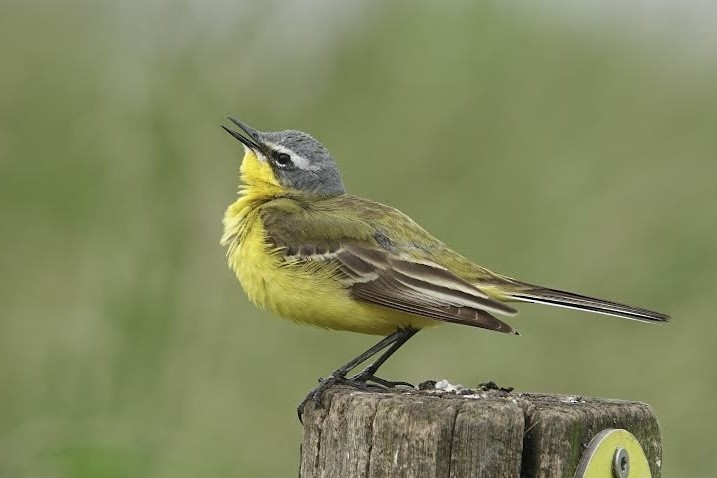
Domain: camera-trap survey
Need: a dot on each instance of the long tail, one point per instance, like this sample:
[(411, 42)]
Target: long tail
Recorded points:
[(559, 298)]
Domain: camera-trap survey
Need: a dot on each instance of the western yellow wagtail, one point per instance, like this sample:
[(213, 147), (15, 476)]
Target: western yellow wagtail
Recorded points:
[(305, 249)]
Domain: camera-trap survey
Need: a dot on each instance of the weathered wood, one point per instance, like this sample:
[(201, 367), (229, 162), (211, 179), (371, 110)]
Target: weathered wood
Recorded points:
[(473, 434), (558, 428)]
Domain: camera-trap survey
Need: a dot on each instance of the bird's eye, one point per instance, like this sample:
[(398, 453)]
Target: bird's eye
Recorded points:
[(283, 160)]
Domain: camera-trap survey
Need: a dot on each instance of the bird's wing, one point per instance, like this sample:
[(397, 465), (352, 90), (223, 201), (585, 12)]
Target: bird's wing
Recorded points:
[(378, 274), (421, 287)]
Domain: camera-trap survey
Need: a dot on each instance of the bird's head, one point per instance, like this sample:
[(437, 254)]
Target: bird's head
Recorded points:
[(289, 160)]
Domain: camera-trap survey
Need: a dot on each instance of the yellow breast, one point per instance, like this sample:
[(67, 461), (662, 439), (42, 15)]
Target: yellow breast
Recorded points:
[(298, 291)]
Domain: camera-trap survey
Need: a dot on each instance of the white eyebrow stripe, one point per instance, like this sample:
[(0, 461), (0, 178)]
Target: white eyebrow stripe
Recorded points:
[(298, 160)]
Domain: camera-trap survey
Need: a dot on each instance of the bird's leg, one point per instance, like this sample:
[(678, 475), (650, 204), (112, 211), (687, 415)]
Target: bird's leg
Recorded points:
[(393, 341), (367, 375), (389, 340)]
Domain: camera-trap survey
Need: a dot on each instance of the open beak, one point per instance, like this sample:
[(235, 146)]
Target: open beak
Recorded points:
[(250, 138)]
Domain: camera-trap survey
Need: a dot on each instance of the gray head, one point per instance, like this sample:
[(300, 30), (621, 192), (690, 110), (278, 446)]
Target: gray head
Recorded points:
[(297, 160)]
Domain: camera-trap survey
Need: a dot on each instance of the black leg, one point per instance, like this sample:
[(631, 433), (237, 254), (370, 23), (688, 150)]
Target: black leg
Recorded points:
[(390, 340), (368, 372), (393, 342)]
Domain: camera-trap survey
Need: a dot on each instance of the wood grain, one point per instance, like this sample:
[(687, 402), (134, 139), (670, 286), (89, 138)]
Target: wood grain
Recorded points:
[(435, 434)]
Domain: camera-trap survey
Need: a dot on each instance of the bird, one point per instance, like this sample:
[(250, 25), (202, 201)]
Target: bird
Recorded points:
[(305, 249)]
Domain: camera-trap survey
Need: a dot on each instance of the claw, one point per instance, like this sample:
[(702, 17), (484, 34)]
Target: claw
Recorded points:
[(365, 377), (315, 396), (360, 382)]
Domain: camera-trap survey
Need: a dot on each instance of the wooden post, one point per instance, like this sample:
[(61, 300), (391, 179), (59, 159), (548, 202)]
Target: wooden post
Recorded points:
[(484, 433)]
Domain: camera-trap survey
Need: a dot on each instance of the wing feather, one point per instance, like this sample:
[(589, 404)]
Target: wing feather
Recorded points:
[(374, 270), (421, 288)]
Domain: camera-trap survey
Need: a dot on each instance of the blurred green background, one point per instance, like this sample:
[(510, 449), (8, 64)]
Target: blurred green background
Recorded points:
[(573, 146)]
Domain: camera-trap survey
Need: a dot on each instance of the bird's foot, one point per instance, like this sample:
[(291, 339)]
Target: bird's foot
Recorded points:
[(314, 394), (367, 376), (362, 381)]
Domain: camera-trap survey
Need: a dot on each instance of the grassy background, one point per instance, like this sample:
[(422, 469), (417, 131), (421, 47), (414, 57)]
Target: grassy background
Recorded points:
[(573, 148)]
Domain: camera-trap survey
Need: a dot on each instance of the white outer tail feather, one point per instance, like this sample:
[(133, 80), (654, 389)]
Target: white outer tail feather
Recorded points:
[(569, 300)]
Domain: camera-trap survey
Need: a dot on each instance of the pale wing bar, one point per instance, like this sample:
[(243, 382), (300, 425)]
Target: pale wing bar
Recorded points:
[(446, 313), (421, 288)]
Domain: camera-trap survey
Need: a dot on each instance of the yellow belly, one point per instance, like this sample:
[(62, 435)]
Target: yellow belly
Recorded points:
[(303, 294)]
